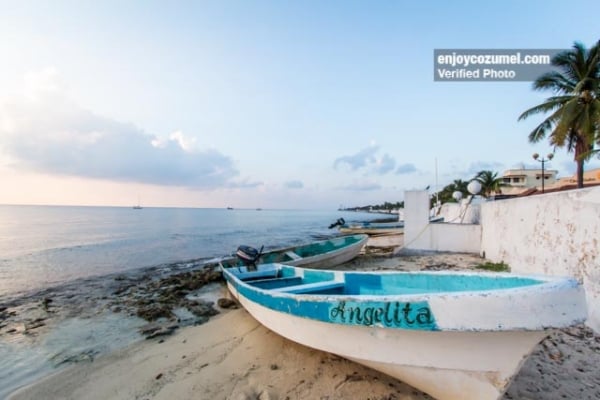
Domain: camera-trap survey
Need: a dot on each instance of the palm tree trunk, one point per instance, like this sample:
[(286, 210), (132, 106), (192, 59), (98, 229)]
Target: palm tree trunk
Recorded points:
[(579, 174), (579, 159)]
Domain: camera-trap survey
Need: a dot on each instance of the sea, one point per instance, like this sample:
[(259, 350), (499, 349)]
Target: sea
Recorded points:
[(69, 252)]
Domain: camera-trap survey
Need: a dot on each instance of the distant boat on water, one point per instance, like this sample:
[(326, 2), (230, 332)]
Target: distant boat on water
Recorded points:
[(230, 208), (137, 206)]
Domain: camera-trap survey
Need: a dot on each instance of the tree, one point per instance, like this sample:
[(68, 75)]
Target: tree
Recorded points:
[(445, 195), (490, 182), (574, 119)]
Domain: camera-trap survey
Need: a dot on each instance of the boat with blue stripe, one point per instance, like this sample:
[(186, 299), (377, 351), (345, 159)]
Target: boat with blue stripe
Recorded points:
[(326, 253), (453, 335)]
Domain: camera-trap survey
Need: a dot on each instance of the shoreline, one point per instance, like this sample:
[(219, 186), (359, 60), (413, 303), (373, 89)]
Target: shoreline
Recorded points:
[(77, 321), (232, 356)]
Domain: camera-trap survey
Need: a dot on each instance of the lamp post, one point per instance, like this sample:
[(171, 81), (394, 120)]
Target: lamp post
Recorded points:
[(549, 157)]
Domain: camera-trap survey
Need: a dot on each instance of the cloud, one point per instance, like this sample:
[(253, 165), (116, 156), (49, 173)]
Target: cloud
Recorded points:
[(372, 164), (477, 166), (361, 159), (294, 185), (384, 165), (406, 169), (44, 131), (362, 186), (529, 165), (244, 184)]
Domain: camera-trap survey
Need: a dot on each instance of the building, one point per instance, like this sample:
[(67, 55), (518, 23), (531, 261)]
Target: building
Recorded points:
[(526, 182), (518, 181), (590, 178)]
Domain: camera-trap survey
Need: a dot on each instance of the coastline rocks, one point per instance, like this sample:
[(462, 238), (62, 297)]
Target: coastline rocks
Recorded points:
[(46, 303), (156, 295), (227, 303), (153, 330), (152, 312), (33, 324), (84, 356), (158, 298), (123, 288), (201, 308)]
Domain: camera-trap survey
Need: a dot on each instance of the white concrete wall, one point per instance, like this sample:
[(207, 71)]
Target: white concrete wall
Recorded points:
[(465, 212), (416, 217), (458, 238), (554, 234), (419, 234)]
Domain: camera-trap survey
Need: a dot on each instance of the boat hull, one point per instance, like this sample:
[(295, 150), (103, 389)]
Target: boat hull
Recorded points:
[(451, 335), (446, 365), (372, 231), (373, 228), (344, 249)]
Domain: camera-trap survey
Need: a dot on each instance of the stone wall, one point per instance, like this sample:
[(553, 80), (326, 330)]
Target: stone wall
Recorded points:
[(554, 234)]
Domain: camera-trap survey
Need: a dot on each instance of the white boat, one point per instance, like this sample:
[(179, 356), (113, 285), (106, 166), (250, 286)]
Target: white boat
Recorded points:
[(318, 254), (373, 228), (378, 228), (451, 335), (138, 206)]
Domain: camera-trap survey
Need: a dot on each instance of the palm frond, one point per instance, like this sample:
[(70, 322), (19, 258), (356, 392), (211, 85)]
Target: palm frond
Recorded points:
[(550, 104), (539, 132), (555, 81)]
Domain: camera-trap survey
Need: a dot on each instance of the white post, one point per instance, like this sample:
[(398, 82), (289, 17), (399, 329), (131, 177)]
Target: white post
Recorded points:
[(416, 219)]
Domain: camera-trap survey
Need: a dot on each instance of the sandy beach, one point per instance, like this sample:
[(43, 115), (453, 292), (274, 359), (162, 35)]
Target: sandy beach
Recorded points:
[(234, 357)]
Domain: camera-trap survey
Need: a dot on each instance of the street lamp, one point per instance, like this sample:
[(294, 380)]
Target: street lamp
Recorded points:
[(549, 157), (474, 187)]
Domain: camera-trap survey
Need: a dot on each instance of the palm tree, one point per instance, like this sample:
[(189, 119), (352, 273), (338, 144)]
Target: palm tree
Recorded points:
[(574, 119), (461, 186), (490, 182), (445, 195)]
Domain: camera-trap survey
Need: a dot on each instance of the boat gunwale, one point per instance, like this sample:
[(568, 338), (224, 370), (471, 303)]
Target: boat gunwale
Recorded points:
[(547, 286), (364, 239), (546, 283), (292, 263)]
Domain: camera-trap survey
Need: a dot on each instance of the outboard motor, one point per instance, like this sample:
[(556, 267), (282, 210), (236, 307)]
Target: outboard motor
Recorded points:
[(249, 256), (339, 222)]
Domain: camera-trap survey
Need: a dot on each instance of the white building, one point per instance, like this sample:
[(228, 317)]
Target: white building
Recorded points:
[(517, 181)]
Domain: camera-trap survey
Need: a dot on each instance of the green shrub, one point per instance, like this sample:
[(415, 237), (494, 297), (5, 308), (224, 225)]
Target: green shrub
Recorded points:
[(495, 267)]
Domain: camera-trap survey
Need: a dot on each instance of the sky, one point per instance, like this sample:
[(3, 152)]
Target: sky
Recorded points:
[(270, 104)]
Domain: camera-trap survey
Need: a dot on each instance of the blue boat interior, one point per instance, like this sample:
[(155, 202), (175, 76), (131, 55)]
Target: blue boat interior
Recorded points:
[(286, 279)]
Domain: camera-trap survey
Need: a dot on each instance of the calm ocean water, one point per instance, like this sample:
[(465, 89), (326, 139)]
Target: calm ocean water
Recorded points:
[(43, 246), (71, 253)]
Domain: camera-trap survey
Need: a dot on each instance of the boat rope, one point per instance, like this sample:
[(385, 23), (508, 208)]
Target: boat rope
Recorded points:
[(414, 239), (461, 216)]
